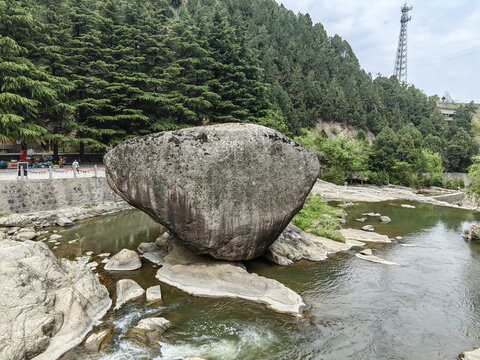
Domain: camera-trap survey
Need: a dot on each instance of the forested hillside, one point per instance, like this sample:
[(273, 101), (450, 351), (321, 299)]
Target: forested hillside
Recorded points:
[(95, 72)]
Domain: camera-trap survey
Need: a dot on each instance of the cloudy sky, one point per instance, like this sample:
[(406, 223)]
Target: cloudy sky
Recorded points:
[(443, 39)]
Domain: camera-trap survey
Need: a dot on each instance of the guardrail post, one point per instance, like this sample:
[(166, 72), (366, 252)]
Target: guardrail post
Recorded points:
[(50, 172), (96, 171), (74, 172), (21, 172)]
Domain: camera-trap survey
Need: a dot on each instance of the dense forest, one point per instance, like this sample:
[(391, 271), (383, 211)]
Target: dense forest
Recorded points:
[(91, 73)]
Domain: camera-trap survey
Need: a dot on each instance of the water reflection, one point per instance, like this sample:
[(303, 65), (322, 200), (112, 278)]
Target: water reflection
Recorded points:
[(425, 309)]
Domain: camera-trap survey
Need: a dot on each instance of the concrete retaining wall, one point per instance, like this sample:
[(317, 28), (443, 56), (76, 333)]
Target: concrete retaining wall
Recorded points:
[(453, 198), (20, 196), (454, 176)]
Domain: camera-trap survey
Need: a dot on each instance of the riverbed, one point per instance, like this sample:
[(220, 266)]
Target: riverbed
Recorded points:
[(427, 308)]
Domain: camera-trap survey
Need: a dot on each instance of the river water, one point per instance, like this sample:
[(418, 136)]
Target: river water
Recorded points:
[(427, 308)]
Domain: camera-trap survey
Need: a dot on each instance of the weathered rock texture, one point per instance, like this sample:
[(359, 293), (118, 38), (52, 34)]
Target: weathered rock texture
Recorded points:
[(472, 233), (294, 245), (46, 306), (124, 260), (225, 190), (127, 290), (203, 276)]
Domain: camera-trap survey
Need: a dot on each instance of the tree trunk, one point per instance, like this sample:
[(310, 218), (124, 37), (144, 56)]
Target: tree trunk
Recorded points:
[(55, 152), (82, 151)]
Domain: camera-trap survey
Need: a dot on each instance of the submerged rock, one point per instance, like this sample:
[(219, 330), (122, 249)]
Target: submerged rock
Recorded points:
[(385, 219), (368, 228), (364, 236), (366, 252), (124, 260), (375, 259), (472, 233), (372, 214), (127, 290), (98, 341), (225, 190), (203, 276), (407, 206), (47, 306), (150, 330)]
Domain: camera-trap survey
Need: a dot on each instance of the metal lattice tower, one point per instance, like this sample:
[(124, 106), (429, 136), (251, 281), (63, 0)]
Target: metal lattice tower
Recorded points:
[(400, 70)]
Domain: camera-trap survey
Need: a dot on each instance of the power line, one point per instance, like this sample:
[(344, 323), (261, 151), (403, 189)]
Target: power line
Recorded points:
[(450, 57)]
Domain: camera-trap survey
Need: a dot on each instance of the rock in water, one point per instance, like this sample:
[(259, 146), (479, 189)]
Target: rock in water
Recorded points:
[(472, 233), (225, 190), (46, 306)]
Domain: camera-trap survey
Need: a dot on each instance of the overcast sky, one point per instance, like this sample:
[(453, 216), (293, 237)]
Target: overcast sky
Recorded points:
[(443, 39)]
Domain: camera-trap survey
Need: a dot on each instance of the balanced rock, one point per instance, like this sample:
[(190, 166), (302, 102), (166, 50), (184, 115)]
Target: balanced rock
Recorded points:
[(225, 190)]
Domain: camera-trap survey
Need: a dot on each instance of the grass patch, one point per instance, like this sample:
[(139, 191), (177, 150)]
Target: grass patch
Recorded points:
[(88, 206), (319, 218)]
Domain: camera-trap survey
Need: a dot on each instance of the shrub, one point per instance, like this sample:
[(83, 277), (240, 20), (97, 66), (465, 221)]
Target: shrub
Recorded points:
[(319, 218)]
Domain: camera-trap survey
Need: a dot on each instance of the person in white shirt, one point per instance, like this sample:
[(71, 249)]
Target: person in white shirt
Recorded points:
[(75, 166)]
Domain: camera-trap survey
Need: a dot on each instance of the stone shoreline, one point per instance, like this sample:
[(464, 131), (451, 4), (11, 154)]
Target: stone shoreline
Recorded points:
[(372, 193)]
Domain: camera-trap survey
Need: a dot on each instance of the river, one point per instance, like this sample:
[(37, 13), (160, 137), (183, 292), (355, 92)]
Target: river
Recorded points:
[(427, 308)]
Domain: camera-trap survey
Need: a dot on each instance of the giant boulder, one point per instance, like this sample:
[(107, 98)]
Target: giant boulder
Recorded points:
[(225, 190)]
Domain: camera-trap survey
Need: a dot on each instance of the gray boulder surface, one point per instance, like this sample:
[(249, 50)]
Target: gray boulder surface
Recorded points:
[(127, 290), (294, 245), (47, 306), (124, 260), (150, 330), (472, 233), (225, 190)]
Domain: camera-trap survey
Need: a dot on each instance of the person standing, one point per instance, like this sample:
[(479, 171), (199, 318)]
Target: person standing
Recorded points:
[(75, 166)]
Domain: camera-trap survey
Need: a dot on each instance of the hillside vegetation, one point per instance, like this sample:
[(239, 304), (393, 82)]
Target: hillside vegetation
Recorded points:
[(91, 73)]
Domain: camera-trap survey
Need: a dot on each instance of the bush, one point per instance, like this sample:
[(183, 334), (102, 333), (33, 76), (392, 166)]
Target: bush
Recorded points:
[(454, 184), (379, 178), (319, 218)]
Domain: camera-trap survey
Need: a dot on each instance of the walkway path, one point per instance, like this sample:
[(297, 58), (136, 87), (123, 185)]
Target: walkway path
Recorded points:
[(57, 173)]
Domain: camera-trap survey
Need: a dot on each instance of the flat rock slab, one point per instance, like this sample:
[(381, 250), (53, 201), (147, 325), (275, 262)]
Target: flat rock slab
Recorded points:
[(202, 276), (294, 245), (364, 236), (224, 190), (375, 259), (124, 260)]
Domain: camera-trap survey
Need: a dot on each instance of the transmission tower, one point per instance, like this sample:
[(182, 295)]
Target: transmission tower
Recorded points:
[(400, 70)]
